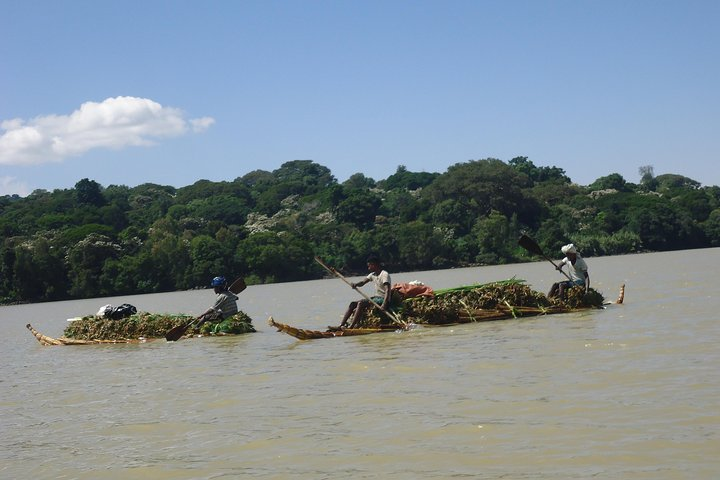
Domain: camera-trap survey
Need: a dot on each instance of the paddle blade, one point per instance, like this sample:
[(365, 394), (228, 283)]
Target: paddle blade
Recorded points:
[(238, 286), (176, 333), (530, 245)]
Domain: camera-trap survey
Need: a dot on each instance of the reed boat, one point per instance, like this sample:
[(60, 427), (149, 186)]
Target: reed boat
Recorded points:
[(331, 332), (141, 328), (453, 307), (63, 340), (45, 340)]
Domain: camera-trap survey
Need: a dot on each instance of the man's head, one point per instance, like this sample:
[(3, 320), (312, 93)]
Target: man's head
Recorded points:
[(374, 263), (569, 250), (219, 283)]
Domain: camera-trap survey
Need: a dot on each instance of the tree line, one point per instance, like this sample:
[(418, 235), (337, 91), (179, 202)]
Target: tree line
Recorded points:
[(267, 226)]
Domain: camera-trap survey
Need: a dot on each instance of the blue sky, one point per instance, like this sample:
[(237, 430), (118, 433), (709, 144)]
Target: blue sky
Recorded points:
[(171, 92)]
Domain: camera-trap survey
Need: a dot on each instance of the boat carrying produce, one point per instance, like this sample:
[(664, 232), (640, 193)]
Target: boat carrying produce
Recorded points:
[(140, 327), (466, 304)]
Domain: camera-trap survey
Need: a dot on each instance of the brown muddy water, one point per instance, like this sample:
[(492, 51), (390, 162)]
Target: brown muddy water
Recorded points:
[(628, 392)]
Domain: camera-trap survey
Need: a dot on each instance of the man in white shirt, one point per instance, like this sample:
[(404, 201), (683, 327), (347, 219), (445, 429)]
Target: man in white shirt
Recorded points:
[(577, 269), (382, 297)]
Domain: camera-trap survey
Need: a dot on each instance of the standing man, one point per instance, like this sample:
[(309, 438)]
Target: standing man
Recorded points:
[(577, 269), (382, 297)]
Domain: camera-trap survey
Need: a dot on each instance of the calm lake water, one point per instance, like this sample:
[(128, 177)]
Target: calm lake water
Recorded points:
[(628, 392)]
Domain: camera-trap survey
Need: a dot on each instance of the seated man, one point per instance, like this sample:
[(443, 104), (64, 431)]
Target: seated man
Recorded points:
[(383, 296), (578, 271), (225, 305)]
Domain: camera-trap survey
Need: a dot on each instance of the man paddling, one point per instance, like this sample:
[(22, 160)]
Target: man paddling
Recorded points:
[(383, 296), (225, 305), (577, 268), (224, 308)]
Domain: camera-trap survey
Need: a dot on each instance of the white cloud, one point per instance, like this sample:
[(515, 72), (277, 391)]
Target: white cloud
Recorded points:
[(113, 123), (11, 186), (201, 124)]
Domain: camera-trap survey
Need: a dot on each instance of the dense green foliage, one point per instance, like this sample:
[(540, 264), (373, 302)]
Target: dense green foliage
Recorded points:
[(93, 241)]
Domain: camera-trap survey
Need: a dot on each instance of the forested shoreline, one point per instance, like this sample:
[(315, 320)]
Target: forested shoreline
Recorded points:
[(91, 240)]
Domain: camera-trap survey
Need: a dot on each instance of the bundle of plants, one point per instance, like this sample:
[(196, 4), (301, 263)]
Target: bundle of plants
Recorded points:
[(449, 305), (235, 325), (576, 297), (495, 300), (150, 325)]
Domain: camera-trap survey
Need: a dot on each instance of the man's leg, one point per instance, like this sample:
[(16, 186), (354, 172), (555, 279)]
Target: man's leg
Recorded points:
[(351, 308), (561, 289), (359, 313)]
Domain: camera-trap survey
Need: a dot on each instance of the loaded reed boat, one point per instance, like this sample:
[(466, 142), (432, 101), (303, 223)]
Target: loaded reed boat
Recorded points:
[(131, 326), (467, 304), (141, 328)]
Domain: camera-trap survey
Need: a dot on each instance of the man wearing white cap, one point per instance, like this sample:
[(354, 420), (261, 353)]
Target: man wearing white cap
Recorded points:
[(577, 268)]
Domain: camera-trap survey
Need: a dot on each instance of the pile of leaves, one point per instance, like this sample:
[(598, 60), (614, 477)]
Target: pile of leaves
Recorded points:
[(151, 325), (449, 305), (577, 298), (237, 324)]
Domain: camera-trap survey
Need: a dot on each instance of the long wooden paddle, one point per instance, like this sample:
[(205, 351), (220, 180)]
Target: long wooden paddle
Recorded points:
[(531, 246), (176, 333), (389, 314)]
